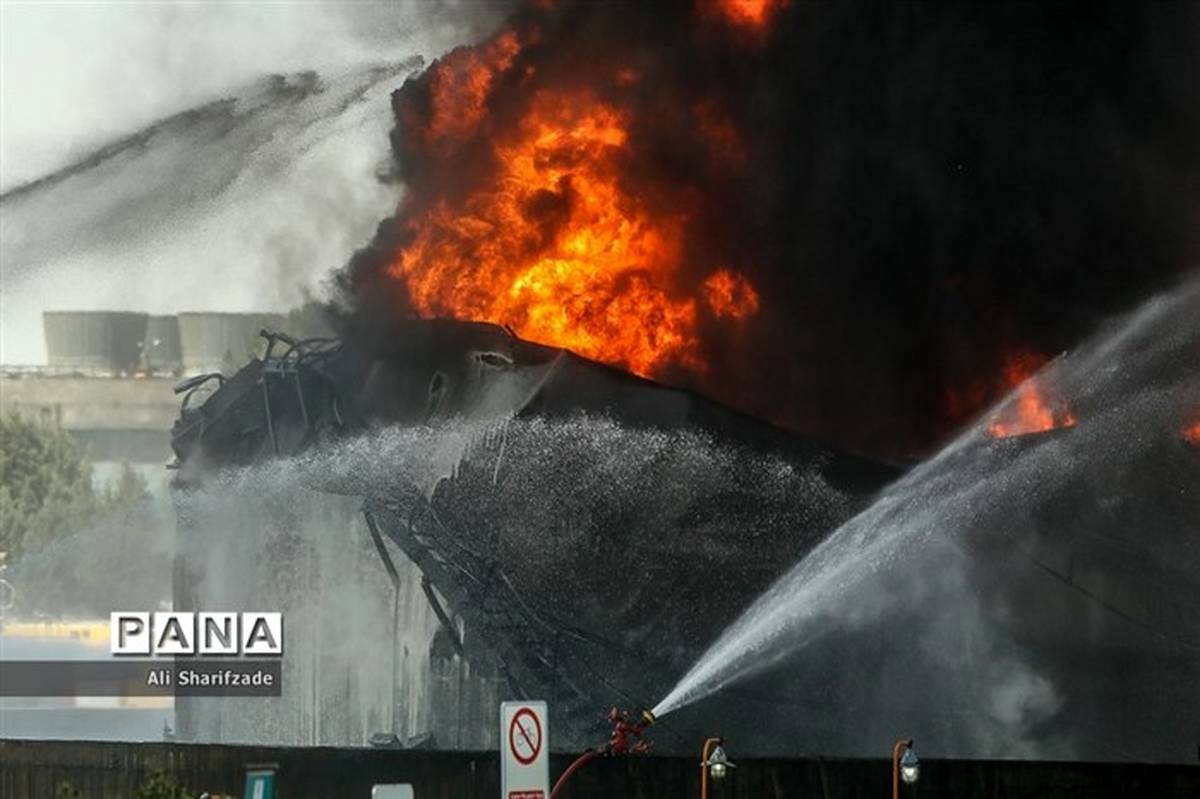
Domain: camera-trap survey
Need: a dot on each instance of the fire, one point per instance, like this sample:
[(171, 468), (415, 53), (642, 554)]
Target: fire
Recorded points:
[(1191, 433), (1032, 412), (1035, 410), (749, 14), (459, 88), (730, 294), (550, 241)]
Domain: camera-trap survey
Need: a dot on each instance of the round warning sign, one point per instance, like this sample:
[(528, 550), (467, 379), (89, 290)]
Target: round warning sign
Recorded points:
[(525, 736)]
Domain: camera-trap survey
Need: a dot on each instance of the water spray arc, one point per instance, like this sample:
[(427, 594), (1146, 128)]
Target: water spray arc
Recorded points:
[(986, 521)]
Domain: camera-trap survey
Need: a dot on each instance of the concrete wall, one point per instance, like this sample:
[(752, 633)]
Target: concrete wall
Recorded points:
[(86, 403), (357, 656), (360, 656), (38, 768), (113, 419)]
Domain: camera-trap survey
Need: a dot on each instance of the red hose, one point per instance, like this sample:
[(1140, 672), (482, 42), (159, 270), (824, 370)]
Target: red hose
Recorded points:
[(571, 769)]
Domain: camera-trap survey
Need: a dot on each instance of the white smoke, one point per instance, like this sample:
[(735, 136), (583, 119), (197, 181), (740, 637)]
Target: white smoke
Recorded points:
[(212, 189), (77, 76)]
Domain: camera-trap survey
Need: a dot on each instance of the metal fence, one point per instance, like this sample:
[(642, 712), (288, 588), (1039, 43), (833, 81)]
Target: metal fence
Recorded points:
[(42, 768)]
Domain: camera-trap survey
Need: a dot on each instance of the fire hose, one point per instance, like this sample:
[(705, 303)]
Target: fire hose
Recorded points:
[(576, 764)]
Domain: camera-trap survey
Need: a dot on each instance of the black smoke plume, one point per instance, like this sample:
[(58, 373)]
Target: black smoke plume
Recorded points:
[(923, 190)]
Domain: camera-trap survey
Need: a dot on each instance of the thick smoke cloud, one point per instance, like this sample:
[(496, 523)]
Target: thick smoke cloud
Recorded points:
[(185, 178), (920, 192), (77, 76), (241, 204)]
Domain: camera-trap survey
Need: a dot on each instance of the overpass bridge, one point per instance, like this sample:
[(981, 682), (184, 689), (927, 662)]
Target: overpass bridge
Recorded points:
[(109, 376), (118, 419)]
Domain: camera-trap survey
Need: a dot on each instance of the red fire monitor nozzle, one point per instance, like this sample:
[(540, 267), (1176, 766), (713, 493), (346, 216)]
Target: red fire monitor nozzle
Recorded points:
[(625, 739)]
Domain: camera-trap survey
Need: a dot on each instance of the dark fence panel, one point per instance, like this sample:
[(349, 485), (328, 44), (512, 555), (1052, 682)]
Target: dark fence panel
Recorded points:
[(97, 770)]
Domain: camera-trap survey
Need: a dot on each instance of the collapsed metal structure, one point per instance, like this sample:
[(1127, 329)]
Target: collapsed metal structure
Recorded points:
[(585, 612)]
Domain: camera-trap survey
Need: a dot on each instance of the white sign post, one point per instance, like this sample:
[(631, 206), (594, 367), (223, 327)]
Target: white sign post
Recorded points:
[(524, 751)]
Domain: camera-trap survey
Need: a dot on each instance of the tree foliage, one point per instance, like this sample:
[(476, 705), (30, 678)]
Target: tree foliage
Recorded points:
[(160, 785), (45, 485), (76, 549)]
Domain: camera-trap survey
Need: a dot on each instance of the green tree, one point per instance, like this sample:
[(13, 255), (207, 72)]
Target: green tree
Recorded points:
[(127, 499), (160, 785), (74, 549), (67, 791), (45, 485)]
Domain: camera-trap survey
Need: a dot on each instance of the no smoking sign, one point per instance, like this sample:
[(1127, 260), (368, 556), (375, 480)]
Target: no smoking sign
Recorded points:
[(525, 736), (524, 765)]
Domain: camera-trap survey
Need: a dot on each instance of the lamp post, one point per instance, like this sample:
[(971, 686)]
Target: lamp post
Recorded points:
[(713, 763), (905, 765)]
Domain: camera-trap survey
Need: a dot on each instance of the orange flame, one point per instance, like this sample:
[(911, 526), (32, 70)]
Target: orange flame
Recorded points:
[(460, 84), (752, 15), (551, 243), (730, 294), (1034, 410), (1191, 433)]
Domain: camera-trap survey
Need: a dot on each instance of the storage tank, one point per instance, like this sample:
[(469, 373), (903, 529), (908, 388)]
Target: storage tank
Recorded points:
[(160, 347), (106, 342), (222, 342)]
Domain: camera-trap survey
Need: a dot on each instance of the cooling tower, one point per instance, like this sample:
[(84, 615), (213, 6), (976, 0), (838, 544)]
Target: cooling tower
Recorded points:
[(107, 342), (160, 349), (221, 342)]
